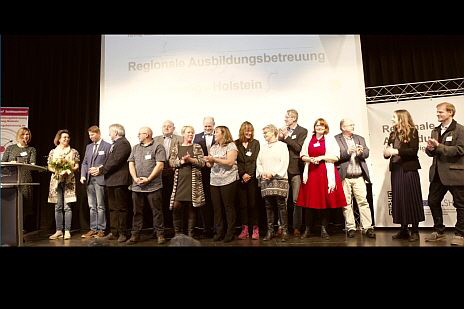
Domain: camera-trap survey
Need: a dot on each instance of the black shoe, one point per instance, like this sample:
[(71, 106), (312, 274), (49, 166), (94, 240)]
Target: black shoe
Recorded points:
[(122, 238), (218, 237), (414, 236), (351, 233), (269, 235), (229, 238), (134, 239), (307, 233), (402, 234), (370, 233), (324, 234)]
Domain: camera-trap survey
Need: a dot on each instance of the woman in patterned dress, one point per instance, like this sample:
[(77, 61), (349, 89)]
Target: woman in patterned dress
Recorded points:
[(62, 190)]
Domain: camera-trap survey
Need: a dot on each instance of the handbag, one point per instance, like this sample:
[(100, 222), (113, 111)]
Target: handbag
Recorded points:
[(274, 187)]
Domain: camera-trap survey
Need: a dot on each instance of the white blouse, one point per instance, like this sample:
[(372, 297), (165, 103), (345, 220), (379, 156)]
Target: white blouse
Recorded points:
[(273, 158)]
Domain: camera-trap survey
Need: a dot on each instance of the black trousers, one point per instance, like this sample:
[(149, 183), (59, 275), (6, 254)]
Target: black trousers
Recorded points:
[(205, 213), (248, 207), (118, 201), (223, 198), (168, 183), (154, 199), (437, 192)]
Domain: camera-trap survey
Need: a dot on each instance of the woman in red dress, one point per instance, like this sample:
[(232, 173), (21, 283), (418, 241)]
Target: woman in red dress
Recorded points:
[(321, 188)]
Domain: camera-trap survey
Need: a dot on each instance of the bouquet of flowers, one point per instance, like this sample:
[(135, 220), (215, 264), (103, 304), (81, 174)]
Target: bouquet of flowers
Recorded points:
[(62, 168)]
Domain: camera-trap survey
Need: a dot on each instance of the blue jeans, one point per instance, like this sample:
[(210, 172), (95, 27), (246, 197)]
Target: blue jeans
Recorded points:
[(59, 210), (96, 200)]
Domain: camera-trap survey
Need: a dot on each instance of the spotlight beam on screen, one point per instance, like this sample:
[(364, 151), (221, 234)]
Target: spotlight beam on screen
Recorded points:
[(147, 79)]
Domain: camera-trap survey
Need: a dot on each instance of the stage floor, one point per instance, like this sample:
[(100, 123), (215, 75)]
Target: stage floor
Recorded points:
[(337, 239)]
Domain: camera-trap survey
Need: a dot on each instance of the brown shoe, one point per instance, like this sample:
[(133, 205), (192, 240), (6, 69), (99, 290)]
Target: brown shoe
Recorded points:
[(89, 234), (161, 240), (100, 234)]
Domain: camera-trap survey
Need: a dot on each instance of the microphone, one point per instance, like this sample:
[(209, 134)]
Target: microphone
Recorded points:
[(3, 147), (10, 141)]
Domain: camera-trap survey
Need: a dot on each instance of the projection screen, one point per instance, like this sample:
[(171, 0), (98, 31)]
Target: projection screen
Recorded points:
[(147, 79)]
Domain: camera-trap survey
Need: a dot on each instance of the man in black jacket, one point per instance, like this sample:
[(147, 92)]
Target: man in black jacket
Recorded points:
[(117, 179), (294, 136)]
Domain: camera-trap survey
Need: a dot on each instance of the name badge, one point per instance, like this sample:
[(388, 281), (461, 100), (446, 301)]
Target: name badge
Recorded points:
[(248, 153), (293, 136), (101, 152), (317, 144), (449, 138), (24, 153), (148, 157)]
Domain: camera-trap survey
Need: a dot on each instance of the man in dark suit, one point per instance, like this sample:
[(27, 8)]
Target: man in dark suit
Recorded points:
[(95, 155), (446, 146), (167, 139), (354, 174), (294, 136), (206, 139), (117, 179)]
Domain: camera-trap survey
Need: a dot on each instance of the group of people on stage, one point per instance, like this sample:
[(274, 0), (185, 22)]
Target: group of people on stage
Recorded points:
[(206, 175)]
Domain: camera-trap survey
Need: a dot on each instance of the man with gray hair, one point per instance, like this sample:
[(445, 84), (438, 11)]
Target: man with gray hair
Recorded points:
[(167, 139), (117, 178), (294, 135), (354, 174), (206, 139)]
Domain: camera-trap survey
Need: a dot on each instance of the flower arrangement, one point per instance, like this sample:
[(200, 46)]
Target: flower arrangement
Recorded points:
[(62, 167)]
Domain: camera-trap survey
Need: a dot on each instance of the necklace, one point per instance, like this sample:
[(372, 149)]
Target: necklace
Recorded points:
[(270, 144)]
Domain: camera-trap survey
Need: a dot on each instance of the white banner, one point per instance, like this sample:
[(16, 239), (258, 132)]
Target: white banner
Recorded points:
[(12, 118), (423, 113), (147, 79)]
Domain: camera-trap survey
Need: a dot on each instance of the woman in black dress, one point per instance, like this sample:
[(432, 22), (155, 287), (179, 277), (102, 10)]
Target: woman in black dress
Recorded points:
[(403, 145)]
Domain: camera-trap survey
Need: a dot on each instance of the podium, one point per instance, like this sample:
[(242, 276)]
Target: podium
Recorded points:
[(11, 209)]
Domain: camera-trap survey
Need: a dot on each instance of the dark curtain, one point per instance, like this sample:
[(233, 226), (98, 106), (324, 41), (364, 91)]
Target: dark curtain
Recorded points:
[(399, 59), (58, 78)]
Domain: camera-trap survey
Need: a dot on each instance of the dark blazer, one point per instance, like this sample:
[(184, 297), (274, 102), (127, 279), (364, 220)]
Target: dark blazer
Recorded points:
[(200, 139), (344, 161), (247, 164), (407, 152), (100, 158), (175, 139), (448, 157), (295, 165), (116, 168)]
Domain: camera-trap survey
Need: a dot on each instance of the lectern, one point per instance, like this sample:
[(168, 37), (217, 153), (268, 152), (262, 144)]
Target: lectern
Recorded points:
[(11, 210)]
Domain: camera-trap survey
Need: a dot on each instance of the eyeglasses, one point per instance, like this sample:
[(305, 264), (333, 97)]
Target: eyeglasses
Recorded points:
[(142, 133)]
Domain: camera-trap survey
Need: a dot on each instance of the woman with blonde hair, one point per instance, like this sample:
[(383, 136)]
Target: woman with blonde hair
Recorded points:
[(271, 170), (21, 152), (402, 148), (187, 193)]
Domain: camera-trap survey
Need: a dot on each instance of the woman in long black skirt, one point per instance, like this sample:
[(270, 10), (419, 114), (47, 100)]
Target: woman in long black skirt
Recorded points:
[(403, 145)]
